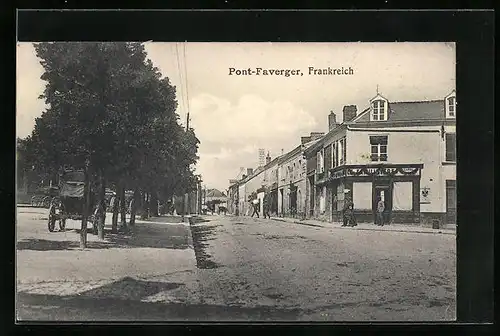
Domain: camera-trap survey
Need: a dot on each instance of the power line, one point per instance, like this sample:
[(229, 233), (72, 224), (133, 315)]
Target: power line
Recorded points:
[(180, 74), (186, 83)]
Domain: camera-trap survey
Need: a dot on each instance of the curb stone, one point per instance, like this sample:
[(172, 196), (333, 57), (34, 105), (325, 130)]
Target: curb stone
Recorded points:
[(443, 231)]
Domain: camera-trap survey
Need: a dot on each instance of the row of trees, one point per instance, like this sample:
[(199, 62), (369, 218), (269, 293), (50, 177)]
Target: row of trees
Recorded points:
[(112, 113)]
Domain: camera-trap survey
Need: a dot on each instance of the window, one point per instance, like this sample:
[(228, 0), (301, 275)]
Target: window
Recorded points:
[(335, 161), (339, 152), (328, 157), (378, 110), (320, 163), (344, 152), (451, 154), (451, 107), (378, 148)]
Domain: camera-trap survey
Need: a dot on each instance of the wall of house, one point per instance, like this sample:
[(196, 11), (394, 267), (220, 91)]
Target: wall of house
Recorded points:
[(243, 207), (293, 170), (406, 148)]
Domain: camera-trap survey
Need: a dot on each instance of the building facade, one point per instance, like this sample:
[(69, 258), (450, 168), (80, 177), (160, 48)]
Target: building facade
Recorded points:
[(400, 152)]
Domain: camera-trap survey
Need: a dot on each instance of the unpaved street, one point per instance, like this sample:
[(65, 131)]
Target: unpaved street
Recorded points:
[(239, 269)]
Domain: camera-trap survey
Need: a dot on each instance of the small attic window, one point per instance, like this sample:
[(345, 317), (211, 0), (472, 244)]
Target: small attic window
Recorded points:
[(379, 110), (451, 107)]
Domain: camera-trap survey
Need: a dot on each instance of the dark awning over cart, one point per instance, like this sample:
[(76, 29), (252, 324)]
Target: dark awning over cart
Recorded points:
[(72, 190)]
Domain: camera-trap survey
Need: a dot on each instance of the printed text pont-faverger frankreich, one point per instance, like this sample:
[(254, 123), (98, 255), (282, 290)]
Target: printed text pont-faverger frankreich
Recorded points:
[(311, 71)]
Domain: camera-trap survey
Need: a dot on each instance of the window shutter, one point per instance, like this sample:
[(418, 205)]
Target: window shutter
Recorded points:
[(335, 156), (451, 147), (344, 153), (328, 157)]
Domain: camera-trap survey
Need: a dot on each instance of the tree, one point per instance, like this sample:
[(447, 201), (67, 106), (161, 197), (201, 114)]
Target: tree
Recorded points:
[(90, 91), (109, 107)]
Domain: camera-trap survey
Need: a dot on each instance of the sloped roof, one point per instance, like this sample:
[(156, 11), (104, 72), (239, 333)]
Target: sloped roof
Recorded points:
[(214, 193), (409, 111)]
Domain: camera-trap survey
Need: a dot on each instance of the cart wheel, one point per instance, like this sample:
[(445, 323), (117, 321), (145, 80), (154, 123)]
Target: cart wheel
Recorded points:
[(62, 224), (51, 223)]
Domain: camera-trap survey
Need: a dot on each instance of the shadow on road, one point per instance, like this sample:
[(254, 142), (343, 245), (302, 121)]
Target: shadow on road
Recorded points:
[(129, 289), (103, 304), (166, 236), (202, 233), (57, 245)]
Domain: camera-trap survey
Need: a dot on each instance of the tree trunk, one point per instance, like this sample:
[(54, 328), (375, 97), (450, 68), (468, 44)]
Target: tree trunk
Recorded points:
[(145, 208), (102, 206), (154, 204), (114, 221), (85, 210), (123, 209), (133, 209)]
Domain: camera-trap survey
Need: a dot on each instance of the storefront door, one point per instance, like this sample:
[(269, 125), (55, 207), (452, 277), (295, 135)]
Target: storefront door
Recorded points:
[(384, 192)]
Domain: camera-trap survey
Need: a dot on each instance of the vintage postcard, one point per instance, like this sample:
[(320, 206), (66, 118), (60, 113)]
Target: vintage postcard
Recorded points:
[(236, 181)]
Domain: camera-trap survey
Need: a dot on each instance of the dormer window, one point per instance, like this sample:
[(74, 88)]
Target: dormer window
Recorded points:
[(451, 105), (379, 108)]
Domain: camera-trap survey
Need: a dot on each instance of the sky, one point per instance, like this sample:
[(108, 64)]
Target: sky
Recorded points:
[(235, 115)]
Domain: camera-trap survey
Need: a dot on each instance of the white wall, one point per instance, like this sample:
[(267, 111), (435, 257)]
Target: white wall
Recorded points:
[(242, 199)]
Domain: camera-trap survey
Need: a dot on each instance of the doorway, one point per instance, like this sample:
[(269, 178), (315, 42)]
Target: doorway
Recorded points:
[(384, 192), (282, 197), (293, 201)]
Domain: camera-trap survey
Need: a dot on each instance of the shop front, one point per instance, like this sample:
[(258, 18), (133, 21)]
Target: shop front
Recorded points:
[(396, 185)]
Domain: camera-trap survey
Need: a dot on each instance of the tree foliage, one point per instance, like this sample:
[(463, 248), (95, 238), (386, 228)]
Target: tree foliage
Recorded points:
[(109, 105)]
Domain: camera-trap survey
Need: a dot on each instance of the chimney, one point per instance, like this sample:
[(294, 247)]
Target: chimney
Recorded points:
[(316, 135), (249, 171), (268, 158), (332, 121), (349, 112), (304, 140)]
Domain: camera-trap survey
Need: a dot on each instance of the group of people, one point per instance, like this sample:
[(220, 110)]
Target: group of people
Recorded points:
[(348, 213), (349, 219), (255, 204)]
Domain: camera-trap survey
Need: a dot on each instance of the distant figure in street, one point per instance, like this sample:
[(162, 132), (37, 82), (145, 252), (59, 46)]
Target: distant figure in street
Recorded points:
[(255, 206), (222, 209), (348, 213), (265, 205), (380, 212)]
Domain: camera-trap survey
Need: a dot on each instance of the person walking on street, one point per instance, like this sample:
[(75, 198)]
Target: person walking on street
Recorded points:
[(255, 206), (265, 205), (348, 218), (380, 212)]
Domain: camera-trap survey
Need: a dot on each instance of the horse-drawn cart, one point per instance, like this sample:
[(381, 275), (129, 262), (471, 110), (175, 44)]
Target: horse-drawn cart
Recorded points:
[(71, 200)]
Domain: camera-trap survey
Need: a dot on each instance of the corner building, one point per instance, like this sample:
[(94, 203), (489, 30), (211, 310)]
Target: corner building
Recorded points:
[(401, 152)]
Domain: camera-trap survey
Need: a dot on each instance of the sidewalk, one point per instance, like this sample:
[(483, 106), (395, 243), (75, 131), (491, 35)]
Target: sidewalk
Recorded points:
[(154, 261), (368, 226)]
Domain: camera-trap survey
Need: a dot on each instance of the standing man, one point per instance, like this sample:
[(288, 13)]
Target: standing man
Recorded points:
[(380, 211), (255, 206)]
